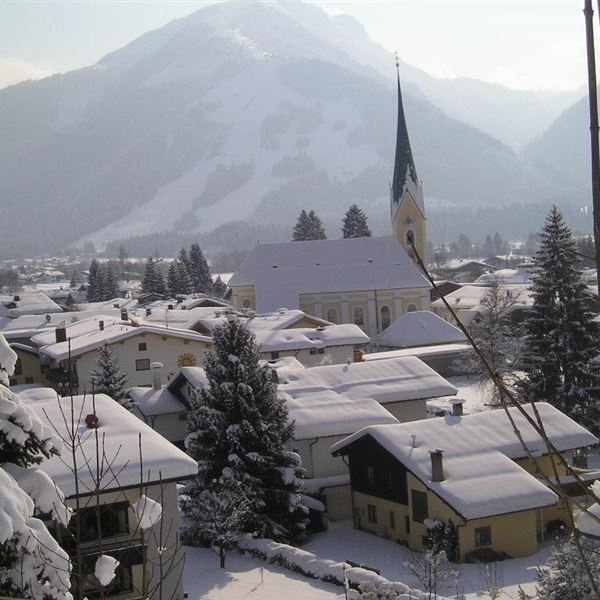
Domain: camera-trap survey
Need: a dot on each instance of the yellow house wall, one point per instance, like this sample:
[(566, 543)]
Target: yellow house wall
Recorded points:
[(239, 294), (31, 367), (409, 410)]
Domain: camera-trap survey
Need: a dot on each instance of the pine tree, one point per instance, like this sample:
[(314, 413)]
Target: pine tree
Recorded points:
[(199, 271), (32, 564), (488, 245), (184, 258), (238, 429), (108, 378), (183, 276), (111, 284), (219, 287), (562, 339), (173, 279), (355, 223), (153, 280), (94, 281), (499, 245), (308, 227)]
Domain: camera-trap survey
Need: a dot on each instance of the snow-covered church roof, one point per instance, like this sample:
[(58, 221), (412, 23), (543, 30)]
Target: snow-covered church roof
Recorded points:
[(420, 328), (281, 272), (482, 478)]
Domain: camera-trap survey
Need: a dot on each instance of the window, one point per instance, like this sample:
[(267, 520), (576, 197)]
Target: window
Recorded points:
[(18, 367), (407, 524), (385, 317), (392, 520), (420, 509), (28, 380), (142, 347), (246, 303), (411, 308), (113, 521), (274, 355), (12, 381), (389, 481), (483, 536), (332, 315), (359, 316), (142, 364), (372, 513), (410, 236), (370, 474)]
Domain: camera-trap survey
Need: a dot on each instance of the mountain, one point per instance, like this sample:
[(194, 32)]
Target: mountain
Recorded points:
[(241, 111)]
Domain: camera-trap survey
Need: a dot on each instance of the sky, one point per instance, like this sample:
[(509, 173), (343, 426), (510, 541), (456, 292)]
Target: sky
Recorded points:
[(523, 44)]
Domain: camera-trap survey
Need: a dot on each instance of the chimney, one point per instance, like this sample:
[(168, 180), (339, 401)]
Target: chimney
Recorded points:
[(91, 421), (101, 325), (156, 367), (170, 307), (437, 465), (16, 298), (61, 333), (358, 356), (457, 407), (124, 315), (148, 312)]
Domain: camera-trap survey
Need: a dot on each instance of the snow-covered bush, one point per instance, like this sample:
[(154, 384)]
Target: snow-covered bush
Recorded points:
[(32, 564), (108, 378)]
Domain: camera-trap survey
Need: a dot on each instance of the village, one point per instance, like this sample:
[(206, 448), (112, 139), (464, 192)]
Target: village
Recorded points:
[(382, 383)]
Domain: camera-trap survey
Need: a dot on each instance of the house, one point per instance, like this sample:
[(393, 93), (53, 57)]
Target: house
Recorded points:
[(401, 385), (367, 281), (71, 352), (463, 270), (135, 461), (27, 303), (471, 470), (28, 368)]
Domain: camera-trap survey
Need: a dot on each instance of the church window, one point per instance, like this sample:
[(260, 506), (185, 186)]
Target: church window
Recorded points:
[(410, 236), (411, 308), (332, 315), (359, 316), (246, 303), (385, 317)]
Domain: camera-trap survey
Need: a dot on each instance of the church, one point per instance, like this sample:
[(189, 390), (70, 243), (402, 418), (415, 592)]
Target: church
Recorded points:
[(368, 281)]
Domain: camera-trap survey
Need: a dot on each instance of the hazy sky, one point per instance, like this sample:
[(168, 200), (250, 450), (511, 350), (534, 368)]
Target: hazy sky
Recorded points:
[(535, 44)]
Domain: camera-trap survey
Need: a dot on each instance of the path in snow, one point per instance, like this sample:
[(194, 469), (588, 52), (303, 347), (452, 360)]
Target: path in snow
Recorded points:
[(343, 542), (242, 580)]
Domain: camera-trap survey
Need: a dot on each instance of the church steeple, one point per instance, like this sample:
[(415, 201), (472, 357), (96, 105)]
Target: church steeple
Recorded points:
[(406, 193)]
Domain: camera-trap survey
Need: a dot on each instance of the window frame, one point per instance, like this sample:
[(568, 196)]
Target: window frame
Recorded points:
[(361, 320), (419, 506), (483, 536), (332, 312), (372, 514), (144, 348), (370, 474), (138, 362), (388, 318)]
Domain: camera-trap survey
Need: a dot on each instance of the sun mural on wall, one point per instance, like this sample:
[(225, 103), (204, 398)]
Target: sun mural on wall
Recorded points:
[(186, 360)]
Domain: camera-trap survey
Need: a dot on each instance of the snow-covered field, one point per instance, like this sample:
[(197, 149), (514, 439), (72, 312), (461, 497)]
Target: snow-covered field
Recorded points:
[(343, 542), (248, 578)]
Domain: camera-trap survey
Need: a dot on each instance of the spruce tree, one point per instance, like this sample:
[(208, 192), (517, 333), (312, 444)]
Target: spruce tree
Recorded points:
[(173, 279), (153, 280), (355, 223), (32, 564), (219, 287), (238, 429), (562, 339), (308, 227), (184, 279), (94, 281), (184, 258), (108, 378), (111, 284), (199, 271)]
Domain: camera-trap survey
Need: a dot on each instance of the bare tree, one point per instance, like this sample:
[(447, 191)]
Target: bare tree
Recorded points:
[(492, 580)]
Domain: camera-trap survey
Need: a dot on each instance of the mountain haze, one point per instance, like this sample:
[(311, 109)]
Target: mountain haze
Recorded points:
[(239, 112)]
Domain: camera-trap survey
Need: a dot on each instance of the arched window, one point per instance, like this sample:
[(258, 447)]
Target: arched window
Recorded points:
[(247, 303), (332, 315), (411, 308), (359, 316), (385, 317), (410, 236)]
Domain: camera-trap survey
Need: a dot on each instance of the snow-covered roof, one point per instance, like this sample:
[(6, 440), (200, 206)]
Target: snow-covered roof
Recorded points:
[(470, 296), (327, 414), (393, 380), (506, 276), (481, 479), (118, 432), (151, 402), (420, 328), (28, 303), (84, 338), (273, 340), (282, 318), (281, 272), (588, 522), (419, 352), (195, 376), (455, 264)]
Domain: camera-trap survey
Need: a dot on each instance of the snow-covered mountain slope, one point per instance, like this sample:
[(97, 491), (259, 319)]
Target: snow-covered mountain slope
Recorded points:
[(242, 111)]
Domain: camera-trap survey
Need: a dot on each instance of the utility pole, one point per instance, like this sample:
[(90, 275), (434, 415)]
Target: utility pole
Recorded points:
[(595, 150)]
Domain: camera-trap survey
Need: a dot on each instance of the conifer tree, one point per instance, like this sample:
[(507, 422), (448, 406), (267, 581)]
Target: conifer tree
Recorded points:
[(94, 281), (355, 223), (308, 227), (32, 564), (153, 280), (199, 271), (562, 339), (184, 258), (238, 429), (111, 284), (108, 378), (219, 287), (173, 279)]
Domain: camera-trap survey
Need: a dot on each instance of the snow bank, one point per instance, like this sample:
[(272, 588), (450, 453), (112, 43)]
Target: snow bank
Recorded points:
[(310, 565), (105, 569)]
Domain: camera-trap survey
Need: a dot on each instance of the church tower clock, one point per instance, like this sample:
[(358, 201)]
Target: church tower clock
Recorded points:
[(406, 193)]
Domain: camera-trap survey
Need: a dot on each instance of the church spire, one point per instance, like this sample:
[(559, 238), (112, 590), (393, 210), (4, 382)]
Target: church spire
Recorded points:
[(405, 173)]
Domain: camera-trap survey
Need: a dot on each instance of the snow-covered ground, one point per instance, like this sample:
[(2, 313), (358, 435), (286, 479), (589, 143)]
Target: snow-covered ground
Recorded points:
[(343, 542), (248, 578), (477, 395)]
